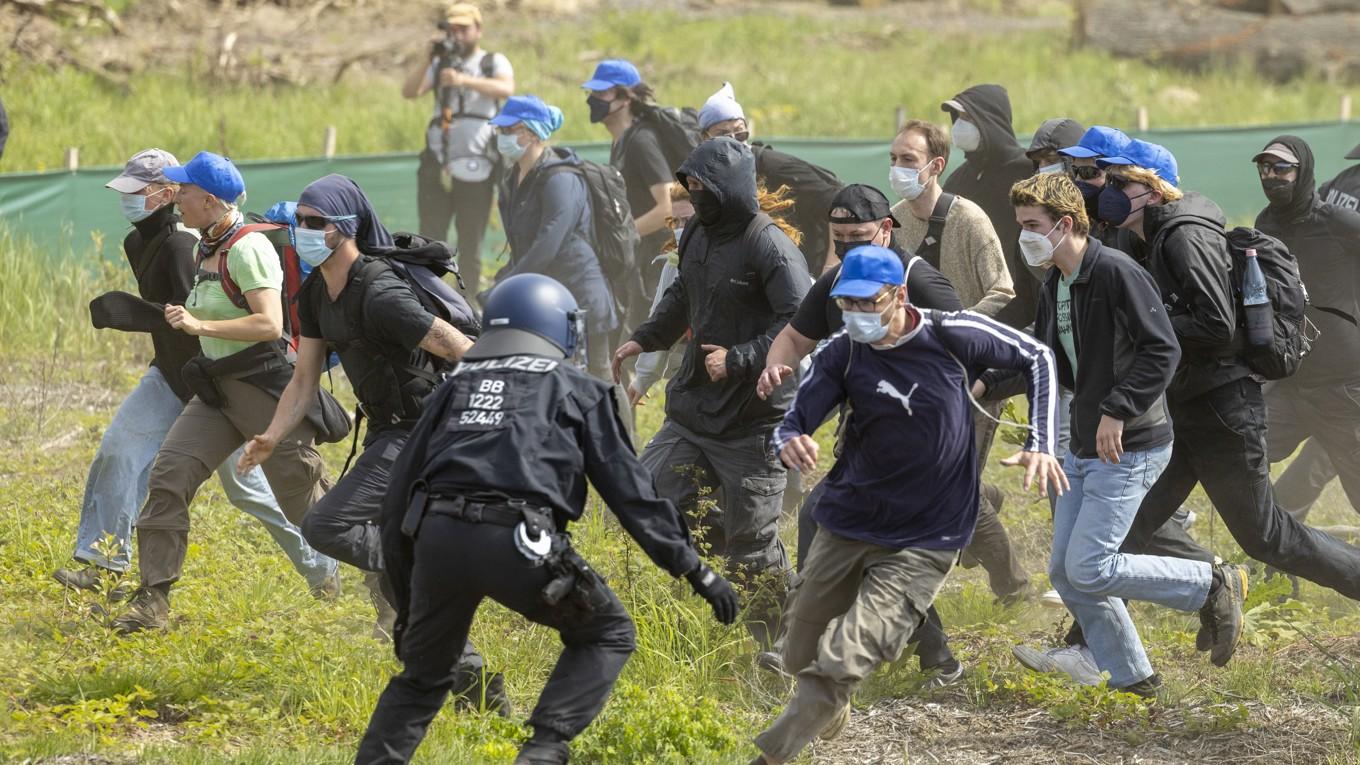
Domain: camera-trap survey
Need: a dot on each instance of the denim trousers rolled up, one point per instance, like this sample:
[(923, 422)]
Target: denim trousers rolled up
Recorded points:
[(1094, 577), (116, 486)]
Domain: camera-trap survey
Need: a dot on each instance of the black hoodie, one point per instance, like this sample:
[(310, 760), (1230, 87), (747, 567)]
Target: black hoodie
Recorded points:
[(985, 178), (1325, 239), (733, 291), (1344, 189), (165, 275)]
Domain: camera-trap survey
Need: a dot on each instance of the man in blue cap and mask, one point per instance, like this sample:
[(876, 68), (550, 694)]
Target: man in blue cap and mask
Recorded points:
[(892, 521)]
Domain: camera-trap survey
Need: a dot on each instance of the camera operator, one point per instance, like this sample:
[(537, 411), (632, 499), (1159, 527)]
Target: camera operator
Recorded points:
[(459, 167)]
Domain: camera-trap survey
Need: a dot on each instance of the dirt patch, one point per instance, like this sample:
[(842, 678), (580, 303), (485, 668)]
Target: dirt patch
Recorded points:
[(952, 730)]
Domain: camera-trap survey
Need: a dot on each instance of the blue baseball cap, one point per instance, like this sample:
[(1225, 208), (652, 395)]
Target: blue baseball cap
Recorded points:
[(613, 72), (866, 271), (1154, 157), (519, 109), (1098, 141), (213, 173)]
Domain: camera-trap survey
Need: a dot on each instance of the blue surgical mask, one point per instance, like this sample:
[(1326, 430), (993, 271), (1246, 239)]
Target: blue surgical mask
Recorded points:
[(311, 246), (509, 147), (866, 326), (134, 208), (1053, 169)]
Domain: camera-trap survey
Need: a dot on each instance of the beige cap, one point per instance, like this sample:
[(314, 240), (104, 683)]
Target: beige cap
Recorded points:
[(1278, 150), (463, 14)]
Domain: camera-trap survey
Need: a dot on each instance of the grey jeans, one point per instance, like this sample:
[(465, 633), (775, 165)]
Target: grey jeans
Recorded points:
[(856, 606), (732, 490)]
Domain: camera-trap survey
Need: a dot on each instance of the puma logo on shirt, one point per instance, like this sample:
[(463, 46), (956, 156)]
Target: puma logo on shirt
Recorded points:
[(887, 389)]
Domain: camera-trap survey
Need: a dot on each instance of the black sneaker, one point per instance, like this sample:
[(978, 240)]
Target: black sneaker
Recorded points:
[(149, 610), (1221, 615), (1149, 687), (484, 692), (543, 753), (943, 675), (771, 661)]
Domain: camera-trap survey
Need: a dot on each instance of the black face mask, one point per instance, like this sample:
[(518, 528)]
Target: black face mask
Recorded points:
[(1278, 190), (1090, 194), (707, 208), (842, 248), (599, 108)]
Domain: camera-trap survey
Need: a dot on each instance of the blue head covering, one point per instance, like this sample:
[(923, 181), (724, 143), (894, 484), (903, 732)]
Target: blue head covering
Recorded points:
[(341, 198), (542, 119)]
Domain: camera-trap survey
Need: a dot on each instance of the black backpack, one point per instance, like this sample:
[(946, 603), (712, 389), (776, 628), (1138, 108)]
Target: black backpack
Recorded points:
[(613, 231), (1294, 333), (677, 130)]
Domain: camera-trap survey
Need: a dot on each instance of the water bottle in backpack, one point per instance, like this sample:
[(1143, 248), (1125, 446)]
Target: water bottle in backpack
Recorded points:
[(1260, 317)]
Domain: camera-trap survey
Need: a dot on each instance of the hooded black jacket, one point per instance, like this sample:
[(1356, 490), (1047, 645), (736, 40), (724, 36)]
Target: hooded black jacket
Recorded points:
[(1193, 269), (1126, 351), (1344, 190), (985, 178), (812, 188), (165, 275), (731, 295), (1325, 240)]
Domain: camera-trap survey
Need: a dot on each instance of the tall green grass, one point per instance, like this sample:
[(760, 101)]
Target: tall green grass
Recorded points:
[(839, 75)]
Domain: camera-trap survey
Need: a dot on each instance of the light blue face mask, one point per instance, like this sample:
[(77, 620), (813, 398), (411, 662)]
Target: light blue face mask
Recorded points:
[(311, 246), (134, 208), (865, 326), (508, 145)]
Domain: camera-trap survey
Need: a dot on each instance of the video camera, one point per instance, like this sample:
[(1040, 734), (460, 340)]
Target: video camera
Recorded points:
[(447, 50)]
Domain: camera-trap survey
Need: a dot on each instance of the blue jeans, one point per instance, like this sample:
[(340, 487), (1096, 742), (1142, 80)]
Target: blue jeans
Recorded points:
[(1094, 577), (117, 485)]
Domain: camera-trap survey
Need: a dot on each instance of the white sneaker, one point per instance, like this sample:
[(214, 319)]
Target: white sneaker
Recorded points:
[(1052, 599), (1074, 661)]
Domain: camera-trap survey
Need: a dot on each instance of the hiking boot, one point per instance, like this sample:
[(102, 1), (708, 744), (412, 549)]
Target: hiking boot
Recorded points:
[(1149, 687), (149, 610), (84, 578), (543, 753), (1052, 599), (1075, 662), (836, 725), (386, 621), (942, 675), (485, 691), (329, 588), (125, 589), (1221, 615), (771, 661)]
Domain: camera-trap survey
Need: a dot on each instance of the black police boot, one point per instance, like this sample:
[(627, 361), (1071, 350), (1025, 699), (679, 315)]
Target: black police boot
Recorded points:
[(484, 691), (543, 753)]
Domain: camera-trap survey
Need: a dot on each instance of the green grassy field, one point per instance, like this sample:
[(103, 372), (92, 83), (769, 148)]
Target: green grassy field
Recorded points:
[(255, 671), (803, 76)]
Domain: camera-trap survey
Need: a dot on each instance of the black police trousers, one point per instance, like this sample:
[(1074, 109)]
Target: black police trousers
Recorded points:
[(456, 565)]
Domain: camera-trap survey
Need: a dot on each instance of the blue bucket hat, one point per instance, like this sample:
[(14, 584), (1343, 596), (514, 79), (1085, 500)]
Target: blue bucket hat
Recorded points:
[(1152, 156), (613, 72), (213, 173), (866, 271), (1098, 141)]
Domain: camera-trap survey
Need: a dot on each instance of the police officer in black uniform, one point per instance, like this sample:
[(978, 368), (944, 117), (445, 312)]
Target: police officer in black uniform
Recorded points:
[(482, 493)]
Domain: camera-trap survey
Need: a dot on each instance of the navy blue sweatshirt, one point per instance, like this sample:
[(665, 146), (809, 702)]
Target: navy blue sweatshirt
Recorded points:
[(907, 475)]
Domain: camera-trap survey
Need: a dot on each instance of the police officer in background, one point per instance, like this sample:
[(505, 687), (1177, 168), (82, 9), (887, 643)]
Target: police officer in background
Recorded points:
[(494, 470)]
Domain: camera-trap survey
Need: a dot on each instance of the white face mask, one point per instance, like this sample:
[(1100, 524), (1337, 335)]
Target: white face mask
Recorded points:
[(1053, 169), (679, 231), (1036, 247), (966, 135), (906, 182)]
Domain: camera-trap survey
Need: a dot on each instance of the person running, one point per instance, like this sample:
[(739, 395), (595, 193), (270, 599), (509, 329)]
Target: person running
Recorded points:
[(1118, 353), (545, 208), (892, 520), (481, 498), (236, 384), (161, 255)]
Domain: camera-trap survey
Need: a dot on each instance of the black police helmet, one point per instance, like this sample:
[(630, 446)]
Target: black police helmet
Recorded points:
[(529, 313)]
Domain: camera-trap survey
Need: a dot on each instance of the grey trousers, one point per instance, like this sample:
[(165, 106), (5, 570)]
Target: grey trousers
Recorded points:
[(731, 490), (856, 607)]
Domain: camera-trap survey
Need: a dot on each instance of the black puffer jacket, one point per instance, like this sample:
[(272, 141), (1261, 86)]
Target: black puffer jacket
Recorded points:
[(985, 178), (1193, 269), (734, 291), (1325, 239)]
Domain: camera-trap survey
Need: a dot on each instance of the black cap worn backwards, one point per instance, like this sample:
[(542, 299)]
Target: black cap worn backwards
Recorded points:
[(865, 204)]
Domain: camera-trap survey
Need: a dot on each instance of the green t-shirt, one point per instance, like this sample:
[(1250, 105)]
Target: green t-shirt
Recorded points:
[(1065, 321), (254, 265)]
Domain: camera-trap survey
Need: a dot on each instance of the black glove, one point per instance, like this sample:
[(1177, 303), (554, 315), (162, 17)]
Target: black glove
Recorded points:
[(717, 591)]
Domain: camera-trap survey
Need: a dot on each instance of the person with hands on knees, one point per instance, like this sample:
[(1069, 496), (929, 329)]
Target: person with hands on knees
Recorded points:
[(1117, 353), (482, 494), (891, 520), (741, 279)]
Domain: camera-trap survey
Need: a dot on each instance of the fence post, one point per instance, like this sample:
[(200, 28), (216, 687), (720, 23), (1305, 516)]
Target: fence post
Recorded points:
[(328, 143), (1345, 107), (900, 116), (72, 159), (1142, 119)]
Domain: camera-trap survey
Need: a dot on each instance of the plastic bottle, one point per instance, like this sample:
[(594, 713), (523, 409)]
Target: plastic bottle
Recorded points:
[(1260, 317)]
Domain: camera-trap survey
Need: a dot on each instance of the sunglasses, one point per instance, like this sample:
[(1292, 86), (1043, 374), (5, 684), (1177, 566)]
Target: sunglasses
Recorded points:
[(1274, 168), (741, 137), (319, 222), (1117, 181), (1086, 172), (862, 304)]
